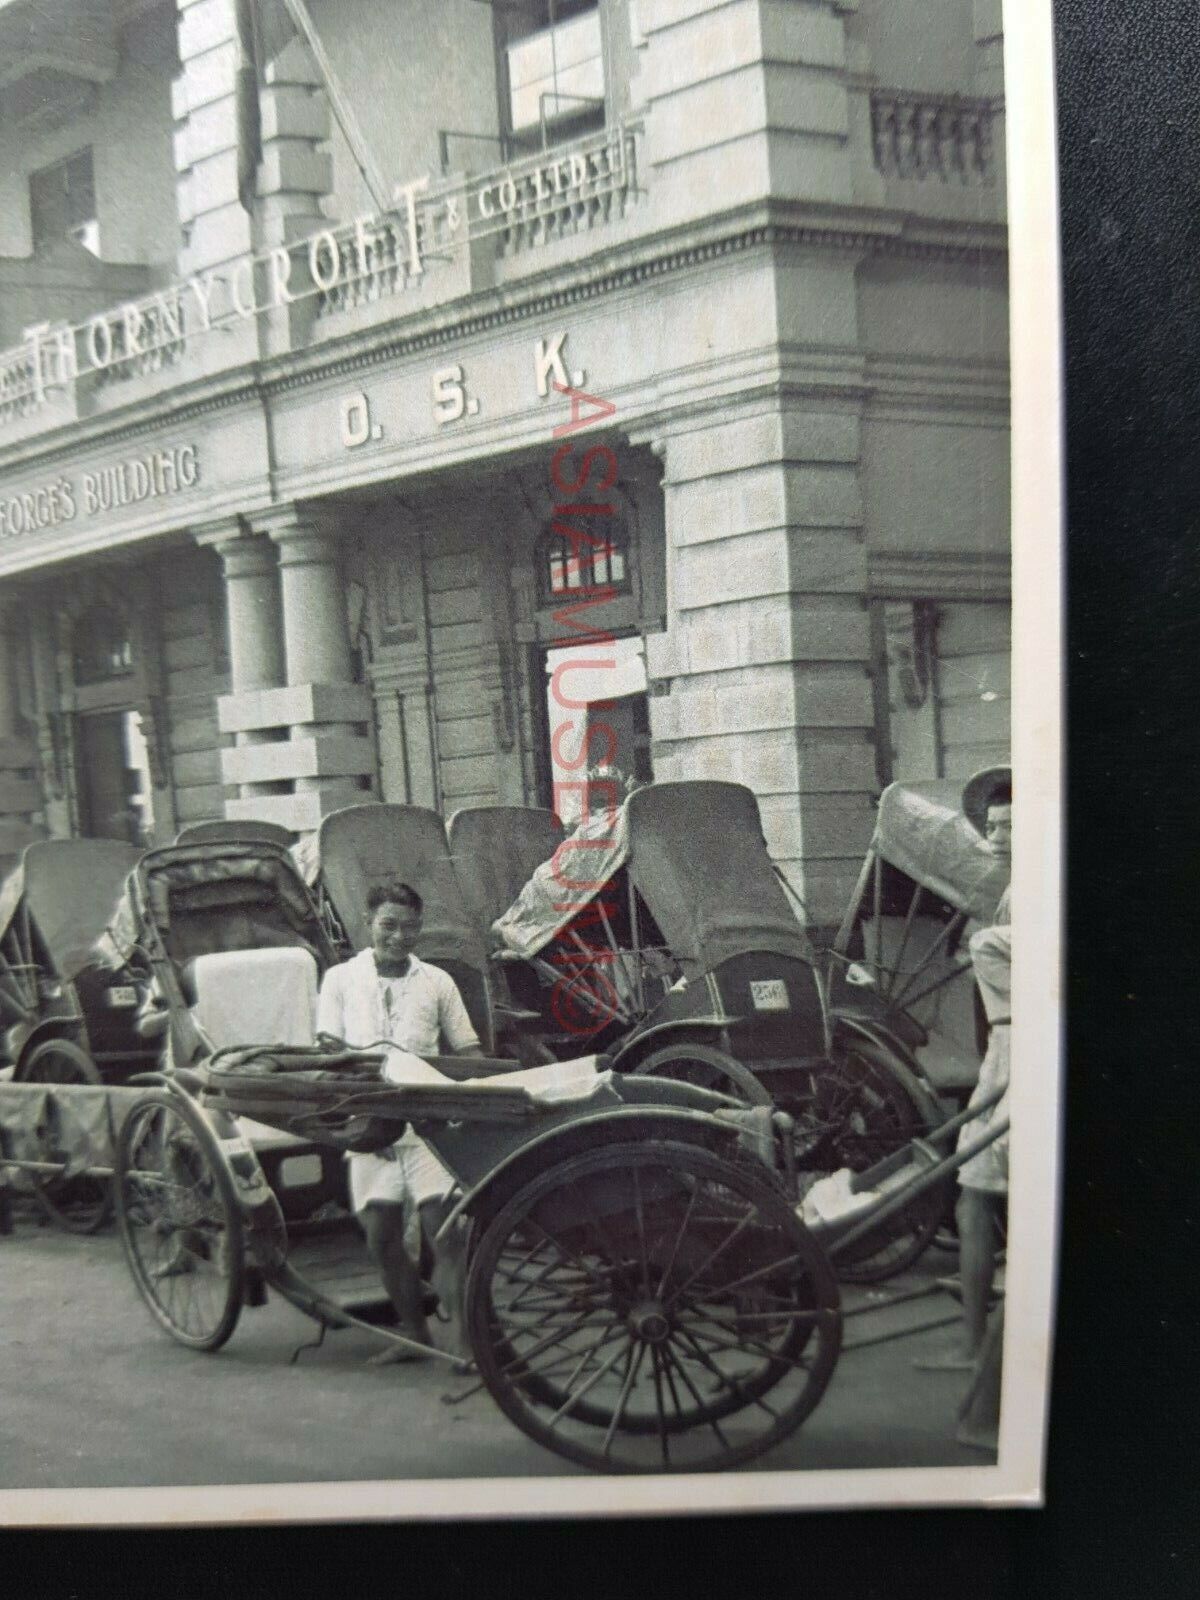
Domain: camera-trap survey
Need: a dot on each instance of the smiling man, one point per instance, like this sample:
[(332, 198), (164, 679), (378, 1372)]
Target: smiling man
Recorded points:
[(388, 994)]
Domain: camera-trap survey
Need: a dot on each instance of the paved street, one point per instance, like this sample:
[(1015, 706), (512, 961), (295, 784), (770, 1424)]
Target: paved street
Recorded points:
[(93, 1395)]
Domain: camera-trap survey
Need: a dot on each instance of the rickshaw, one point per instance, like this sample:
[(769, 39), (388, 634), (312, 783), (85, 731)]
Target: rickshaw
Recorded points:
[(901, 980), (643, 1292), (228, 942), (66, 1017), (663, 934), (719, 996)]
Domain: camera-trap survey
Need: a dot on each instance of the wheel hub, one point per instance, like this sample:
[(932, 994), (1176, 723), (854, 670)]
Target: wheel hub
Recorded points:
[(649, 1322)]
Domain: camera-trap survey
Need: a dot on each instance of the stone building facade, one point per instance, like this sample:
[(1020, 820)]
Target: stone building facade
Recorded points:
[(290, 295)]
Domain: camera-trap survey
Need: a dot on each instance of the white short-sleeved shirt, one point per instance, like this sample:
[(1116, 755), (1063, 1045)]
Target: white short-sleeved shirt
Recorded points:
[(416, 1012)]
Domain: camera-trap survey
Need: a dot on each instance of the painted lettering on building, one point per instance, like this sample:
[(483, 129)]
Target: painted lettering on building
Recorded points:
[(338, 265), (157, 474)]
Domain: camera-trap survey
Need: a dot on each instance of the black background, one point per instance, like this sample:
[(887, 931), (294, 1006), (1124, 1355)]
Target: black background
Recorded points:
[(1122, 1508)]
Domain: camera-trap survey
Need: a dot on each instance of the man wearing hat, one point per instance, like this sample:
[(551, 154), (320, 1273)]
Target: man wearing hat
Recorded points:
[(983, 1180)]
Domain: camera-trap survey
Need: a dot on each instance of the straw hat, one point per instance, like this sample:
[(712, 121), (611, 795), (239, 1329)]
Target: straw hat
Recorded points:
[(978, 792)]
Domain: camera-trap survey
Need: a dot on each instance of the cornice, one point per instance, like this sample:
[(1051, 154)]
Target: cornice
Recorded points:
[(972, 575)]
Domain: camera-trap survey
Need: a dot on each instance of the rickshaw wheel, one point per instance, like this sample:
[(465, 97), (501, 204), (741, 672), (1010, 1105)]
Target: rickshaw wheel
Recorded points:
[(878, 1112), (651, 1307), (707, 1067), (82, 1204), (179, 1219)]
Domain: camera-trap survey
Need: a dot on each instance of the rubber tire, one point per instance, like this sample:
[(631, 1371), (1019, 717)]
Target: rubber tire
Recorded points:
[(79, 1068), (235, 1290), (740, 1082), (490, 1357)]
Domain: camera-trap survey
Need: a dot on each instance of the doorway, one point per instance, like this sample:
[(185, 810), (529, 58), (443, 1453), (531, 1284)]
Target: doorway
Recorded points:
[(596, 701), (113, 784)]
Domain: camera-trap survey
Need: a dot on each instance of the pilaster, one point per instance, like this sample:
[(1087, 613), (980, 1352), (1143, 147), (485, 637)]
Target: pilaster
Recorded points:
[(295, 173), (763, 674), (771, 75), (212, 99)]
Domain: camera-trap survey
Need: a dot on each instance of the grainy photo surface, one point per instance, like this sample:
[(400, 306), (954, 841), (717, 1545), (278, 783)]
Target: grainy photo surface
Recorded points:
[(507, 756)]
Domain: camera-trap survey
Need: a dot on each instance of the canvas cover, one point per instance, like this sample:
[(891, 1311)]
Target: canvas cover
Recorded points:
[(70, 887), (561, 887), (363, 846), (14, 838), (184, 891), (697, 856), (497, 850), (922, 831), (699, 860), (226, 831)]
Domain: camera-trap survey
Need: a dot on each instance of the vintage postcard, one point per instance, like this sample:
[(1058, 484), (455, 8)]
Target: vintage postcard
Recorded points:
[(529, 569)]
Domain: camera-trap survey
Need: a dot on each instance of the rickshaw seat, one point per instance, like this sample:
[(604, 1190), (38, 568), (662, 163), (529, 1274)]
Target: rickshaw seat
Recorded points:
[(247, 997)]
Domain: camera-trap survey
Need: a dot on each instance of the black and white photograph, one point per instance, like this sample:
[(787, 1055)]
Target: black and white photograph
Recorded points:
[(529, 572)]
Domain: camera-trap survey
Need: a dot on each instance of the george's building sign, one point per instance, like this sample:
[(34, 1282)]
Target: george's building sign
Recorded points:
[(111, 487)]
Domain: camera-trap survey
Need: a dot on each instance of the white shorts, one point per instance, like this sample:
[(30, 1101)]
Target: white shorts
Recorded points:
[(408, 1174), (988, 1171)]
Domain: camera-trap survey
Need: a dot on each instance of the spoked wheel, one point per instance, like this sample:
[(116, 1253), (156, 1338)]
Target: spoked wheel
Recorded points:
[(83, 1203), (653, 1307), (179, 1219), (865, 1107), (707, 1067)]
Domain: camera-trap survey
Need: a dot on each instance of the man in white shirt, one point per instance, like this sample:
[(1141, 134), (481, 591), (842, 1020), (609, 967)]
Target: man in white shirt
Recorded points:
[(387, 994)]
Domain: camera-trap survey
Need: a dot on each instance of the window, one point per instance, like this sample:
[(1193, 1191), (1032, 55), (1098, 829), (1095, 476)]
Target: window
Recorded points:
[(62, 203), (554, 66), (567, 565), (103, 649)]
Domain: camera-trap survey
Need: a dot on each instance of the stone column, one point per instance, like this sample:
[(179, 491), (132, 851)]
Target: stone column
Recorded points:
[(303, 740), (251, 573), (765, 661), (316, 644), (254, 621)]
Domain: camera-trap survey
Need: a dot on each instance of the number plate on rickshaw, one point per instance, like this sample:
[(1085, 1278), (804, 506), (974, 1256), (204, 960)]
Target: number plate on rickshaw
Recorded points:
[(122, 994), (769, 994)]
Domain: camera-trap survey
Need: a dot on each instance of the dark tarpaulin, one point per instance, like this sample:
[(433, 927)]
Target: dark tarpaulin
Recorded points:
[(699, 860), (363, 846), (70, 888)]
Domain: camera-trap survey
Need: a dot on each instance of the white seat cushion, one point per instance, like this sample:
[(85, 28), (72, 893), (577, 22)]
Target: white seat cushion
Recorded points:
[(246, 997)]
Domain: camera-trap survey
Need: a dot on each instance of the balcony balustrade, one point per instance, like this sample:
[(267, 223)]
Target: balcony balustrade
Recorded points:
[(920, 137)]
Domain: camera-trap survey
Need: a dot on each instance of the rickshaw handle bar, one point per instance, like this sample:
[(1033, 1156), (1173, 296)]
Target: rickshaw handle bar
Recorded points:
[(899, 1158), (928, 1180)]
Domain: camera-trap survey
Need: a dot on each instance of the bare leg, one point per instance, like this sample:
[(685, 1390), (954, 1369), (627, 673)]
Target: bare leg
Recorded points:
[(384, 1228), (977, 1269), (979, 1416), (977, 1263), (449, 1273)]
